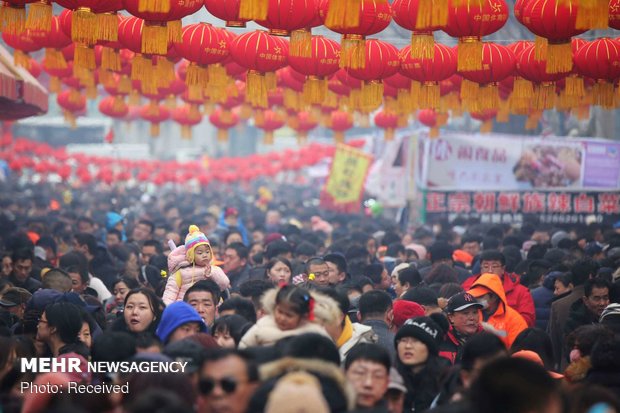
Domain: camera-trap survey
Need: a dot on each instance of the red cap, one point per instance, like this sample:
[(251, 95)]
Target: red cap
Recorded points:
[(404, 310)]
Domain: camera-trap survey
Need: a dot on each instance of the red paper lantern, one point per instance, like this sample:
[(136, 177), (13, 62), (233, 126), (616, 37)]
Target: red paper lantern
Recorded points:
[(428, 117), (92, 20), (53, 40), (486, 117), (155, 115), (34, 68), (389, 121), (226, 10), (269, 122), (372, 16), (186, 117), (422, 17), (340, 122), (23, 44), (556, 23), (113, 107), (600, 60), (322, 62), (260, 53), (223, 120), (303, 123), (614, 14), (71, 101), (469, 20), (285, 16)]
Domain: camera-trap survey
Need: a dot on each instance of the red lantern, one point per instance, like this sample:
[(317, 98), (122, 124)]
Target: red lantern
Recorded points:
[(486, 117), (533, 70), (469, 20), (72, 103), (428, 117), (53, 40), (600, 60), (114, 107), (186, 117), (302, 123), (13, 16), (614, 14), (34, 69), (366, 17), (260, 53), (155, 115), (223, 120), (427, 73), (557, 24), (92, 20), (269, 122), (389, 121), (226, 10), (422, 17), (23, 44), (340, 122)]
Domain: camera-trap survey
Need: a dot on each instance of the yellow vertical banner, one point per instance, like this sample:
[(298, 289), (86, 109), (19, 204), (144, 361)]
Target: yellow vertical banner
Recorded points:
[(345, 184)]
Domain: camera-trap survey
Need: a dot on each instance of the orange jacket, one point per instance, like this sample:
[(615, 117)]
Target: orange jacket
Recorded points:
[(506, 320)]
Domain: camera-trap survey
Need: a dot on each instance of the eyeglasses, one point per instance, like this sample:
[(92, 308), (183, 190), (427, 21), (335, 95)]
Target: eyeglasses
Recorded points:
[(228, 385)]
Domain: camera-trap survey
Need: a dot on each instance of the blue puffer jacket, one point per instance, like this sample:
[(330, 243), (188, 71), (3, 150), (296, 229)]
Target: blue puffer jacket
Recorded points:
[(543, 296)]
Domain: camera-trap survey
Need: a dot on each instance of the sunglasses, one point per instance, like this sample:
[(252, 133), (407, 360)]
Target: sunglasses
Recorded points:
[(228, 385)]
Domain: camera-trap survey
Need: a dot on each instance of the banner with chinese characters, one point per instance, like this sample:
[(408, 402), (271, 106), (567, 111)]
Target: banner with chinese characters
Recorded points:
[(345, 184), (512, 162), (388, 179), (509, 207)]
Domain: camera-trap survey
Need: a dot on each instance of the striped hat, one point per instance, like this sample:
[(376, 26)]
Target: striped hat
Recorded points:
[(193, 239)]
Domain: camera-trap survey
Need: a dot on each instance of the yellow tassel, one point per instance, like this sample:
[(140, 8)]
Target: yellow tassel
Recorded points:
[(107, 27), (134, 98), (84, 27), (388, 135), (197, 76), (271, 81), (424, 18), (469, 54), (469, 90), (119, 104), (343, 14), (603, 94), (574, 86), (531, 122), (140, 66), (503, 114), (429, 98), (74, 96), (404, 105), (442, 119), (433, 133), (486, 127), (12, 19), (40, 16), (583, 112), (338, 137), (124, 84), (155, 6), (301, 43), (256, 90), (171, 102), (372, 94), (70, 118), (540, 48), (154, 38), (186, 132), (403, 121), (315, 90), (353, 52), (84, 57), (440, 13), (54, 59), (208, 108), (523, 88), (155, 130), (110, 59), (422, 45), (107, 79), (253, 9), (165, 71), (488, 98), (55, 84), (416, 91), (21, 59), (559, 58), (245, 112), (544, 96), (85, 76), (217, 76), (175, 31), (268, 138), (91, 92), (222, 135), (592, 14)]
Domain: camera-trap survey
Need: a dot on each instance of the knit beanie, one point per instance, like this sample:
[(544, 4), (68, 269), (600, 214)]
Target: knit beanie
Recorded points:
[(297, 392), (404, 310), (174, 316), (424, 329), (193, 239)]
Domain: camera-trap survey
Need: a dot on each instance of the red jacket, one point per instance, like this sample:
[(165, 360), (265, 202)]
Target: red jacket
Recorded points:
[(517, 296)]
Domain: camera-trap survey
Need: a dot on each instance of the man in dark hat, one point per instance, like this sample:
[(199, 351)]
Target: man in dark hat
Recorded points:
[(463, 312), (12, 305)]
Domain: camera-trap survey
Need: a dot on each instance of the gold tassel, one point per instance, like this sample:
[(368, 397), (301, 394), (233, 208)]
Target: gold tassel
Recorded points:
[(422, 45), (488, 98), (592, 14), (85, 76), (175, 31), (186, 132), (91, 92), (271, 81), (404, 106), (54, 59), (245, 111), (353, 52), (222, 135), (110, 59), (544, 96), (574, 86), (469, 54), (503, 114), (433, 133), (155, 130), (84, 57), (165, 71), (171, 102), (403, 121), (197, 76), (429, 98), (487, 126), (39, 16), (442, 119), (440, 13), (388, 135), (256, 89), (134, 98), (540, 48), (124, 84), (55, 84), (523, 88), (148, 85), (469, 90), (372, 94), (301, 43), (154, 6), (217, 76), (107, 27), (140, 66), (154, 38), (118, 104), (107, 79), (424, 18), (532, 121), (208, 108), (84, 27), (74, 96), (559, 57), (416, 92), (253, 9), (21, 59), (268, 138), (603, 94), (13, 19), (315, 90), (338, 136), (344, 14), (70, 118)]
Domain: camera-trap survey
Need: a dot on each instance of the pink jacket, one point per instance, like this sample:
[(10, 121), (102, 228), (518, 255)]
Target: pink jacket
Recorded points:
[(189, 275)]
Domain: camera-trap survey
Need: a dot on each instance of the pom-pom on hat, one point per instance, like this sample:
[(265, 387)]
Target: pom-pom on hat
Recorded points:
[(193, 239)]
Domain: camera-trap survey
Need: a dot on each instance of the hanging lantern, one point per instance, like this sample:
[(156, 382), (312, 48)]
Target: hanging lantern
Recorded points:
[(155, 117), (470, 20), (56, 75), (23, 44), (34, 68), (186, 118), (388, 121), (226, 10), (486, 117), (600, 60), (53, 40), (428, 117), (270, 121), (614, 14), (92, 20), (372, 17), (422, 17), (39, 16), (427, 73), (340, 122), (72, 103), (302, 123), (113, 107), (382, 61), (555, 24), (262, 55), (223, 120), (344, 13)]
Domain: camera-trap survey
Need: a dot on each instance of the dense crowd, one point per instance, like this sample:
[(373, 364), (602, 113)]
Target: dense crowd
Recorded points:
[(278, 306)]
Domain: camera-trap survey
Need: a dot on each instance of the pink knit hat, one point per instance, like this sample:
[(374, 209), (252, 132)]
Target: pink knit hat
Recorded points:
[(404, 310)]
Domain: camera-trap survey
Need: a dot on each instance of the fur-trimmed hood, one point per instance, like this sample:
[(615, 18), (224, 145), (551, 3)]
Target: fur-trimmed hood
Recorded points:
[(326, 310), (314, 366)]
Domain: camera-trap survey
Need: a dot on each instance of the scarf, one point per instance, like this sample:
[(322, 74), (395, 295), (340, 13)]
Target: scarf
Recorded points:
[(347, 332)]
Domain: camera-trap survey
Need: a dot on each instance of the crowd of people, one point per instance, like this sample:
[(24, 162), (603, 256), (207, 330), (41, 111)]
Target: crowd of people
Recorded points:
[(279, 306)]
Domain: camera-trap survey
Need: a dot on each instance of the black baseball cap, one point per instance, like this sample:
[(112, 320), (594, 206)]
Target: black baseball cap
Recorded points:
[(462, 301)]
